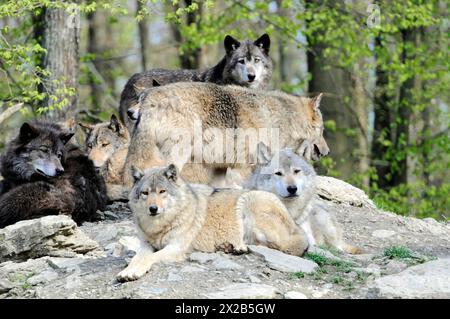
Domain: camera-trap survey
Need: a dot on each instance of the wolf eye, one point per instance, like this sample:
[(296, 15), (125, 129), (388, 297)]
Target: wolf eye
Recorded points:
[(89, 145), (105, 144), (296, 171), (257, 60), (59, 155), (144, 193), (162, 191), (278, 173), (241, 61)]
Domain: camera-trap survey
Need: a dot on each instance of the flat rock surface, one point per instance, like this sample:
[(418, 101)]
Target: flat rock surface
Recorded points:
[(253, 275), (283, 262), (428, 280)]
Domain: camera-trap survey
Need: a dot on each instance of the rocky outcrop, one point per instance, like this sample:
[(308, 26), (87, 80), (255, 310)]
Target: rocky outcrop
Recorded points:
[(428, 280), (338, 191), (82, 262), (46, 236)]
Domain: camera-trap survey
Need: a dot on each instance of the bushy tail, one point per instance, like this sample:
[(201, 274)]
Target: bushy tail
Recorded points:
[(354, 250)]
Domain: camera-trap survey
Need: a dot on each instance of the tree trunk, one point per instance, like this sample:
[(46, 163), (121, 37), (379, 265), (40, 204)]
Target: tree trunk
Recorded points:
[(96, 90), (143, 36), (189, 59), (282, 58), (382, 124), (61, 38)]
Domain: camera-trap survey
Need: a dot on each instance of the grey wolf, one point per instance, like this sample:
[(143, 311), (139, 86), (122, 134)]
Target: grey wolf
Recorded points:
[(293, 180), (107, 146), (45, 174), (245, 63), (180, 105), (175, 218)]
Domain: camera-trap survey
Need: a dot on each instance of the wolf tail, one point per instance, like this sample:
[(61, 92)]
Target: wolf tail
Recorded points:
[(354, 250)]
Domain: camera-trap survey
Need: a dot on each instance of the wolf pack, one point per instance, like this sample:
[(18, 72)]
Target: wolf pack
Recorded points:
[(260, 191)]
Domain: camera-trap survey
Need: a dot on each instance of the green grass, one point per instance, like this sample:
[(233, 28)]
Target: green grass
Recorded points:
[(298, 275), (334, 271), (21, 279), (398, 252), (405, 254)]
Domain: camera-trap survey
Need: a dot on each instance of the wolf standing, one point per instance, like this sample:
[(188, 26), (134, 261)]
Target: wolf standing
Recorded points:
[(46, 175), (181, 105), (245, 63)]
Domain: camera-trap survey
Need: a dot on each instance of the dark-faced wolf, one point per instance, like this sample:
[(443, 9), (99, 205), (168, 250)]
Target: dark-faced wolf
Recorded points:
[(245, 63), (47, 175)]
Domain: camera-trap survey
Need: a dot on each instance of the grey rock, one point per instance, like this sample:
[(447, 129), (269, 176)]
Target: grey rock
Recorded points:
[(294, 295), (46, 236), (110, 215), (192, 269), (254, 279), (148, 292), (338, 191), (61, 263), (428, 280), (244, 291), (283, 262), (43, 278), (383, 233), (395, 266), (106, 234), (174, 277), (223, 263), (203, 258), (5, 285)]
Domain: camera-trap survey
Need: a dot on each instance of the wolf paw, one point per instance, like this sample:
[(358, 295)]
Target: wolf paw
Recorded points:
[(130, 274)]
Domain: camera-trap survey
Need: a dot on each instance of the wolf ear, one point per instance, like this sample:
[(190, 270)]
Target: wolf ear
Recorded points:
[(139, 89), (116, 126), (263, 42), (87, 128), (171, 173), (155, 83), (66, 136), (230, 44), (315, 102), (70, 124), (263, 153), (137, 174), (27, 132)]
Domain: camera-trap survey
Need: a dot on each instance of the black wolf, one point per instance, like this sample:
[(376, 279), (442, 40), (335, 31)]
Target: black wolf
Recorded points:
[(44, 174), (245, 63)]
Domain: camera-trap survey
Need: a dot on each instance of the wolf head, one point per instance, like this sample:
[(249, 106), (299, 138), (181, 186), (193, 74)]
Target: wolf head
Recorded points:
[(38, 152), (316, 146), (133, 111), (104, 139), (285, 174), (155, 191), (248, 62)]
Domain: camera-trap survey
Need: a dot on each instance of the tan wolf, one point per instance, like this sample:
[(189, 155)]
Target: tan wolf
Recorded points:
[(179, 106), (175, 218), (292, 179), (107, 146)]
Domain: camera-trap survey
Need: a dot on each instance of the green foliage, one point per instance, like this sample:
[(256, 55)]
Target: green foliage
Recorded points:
[(416, 71), (397, 252), (298, 275)]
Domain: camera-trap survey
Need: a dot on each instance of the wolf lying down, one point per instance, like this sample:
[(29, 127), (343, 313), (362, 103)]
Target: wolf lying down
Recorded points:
[(44, 174), (174, 217)]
